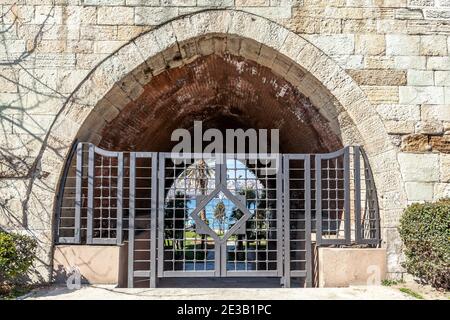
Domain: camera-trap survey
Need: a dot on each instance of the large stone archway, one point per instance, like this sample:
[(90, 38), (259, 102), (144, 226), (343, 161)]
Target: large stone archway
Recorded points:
[(120, 78), (221, 88)]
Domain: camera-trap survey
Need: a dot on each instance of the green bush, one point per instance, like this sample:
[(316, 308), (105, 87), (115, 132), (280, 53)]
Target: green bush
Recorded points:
[(17, 253), (425, 231)]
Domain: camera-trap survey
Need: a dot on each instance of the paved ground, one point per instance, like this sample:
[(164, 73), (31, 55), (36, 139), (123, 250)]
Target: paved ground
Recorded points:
[(109, 292)]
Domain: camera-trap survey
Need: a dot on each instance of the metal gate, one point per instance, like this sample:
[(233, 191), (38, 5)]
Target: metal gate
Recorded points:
[(228, 215), (219, 216)]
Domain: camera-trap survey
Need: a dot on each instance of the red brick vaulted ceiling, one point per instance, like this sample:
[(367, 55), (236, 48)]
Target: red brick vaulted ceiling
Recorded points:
[(224, 92)]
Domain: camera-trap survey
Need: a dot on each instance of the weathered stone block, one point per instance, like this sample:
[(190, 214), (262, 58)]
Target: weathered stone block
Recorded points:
[(420, 78), (342, 267), (419, 95), (250, 49), (79, 15), (391, 26), (174, 3), (369, 44), (115, 15), (360, 26), (399, 112), (154, 15), (421, 3), (447, 95), (419, 191), (312, 25), (415, 143), (399, 127), (334, 44), (51, 15), (436, 112), (379, 77), (394, 247), (89, 60), (433, 45), (442, 78), (418, 167), (215, 3), (446, 125), (379, 62), (401, 45), (408, 14), (381, 94), (350, 61), (15, 166), (12, 46), (441, 190), (410, 62), (148, 3), (130, 32), (444, 165), (37, 124), (438, 63), (441, 143), (101, 33), (251, 3), (437, 14), (108, 46), (105, 2), (80, 46), (432, 127)]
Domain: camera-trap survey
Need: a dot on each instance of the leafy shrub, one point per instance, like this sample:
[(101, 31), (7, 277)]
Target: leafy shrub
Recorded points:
[(425, 231), (17, 253)]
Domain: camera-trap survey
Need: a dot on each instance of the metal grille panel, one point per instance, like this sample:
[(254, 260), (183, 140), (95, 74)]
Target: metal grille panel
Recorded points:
[(142, 220), (297, 218), (257, 247), (183, 247)]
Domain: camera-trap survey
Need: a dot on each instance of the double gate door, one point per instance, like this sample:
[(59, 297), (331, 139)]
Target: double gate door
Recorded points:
[(219, 216), (222, 216)]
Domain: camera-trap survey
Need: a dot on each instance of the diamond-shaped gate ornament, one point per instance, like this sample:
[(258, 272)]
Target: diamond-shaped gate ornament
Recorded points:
[(225, 214)]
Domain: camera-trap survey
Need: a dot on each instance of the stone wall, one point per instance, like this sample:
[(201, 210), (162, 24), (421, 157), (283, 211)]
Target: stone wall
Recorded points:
[(398, 51)]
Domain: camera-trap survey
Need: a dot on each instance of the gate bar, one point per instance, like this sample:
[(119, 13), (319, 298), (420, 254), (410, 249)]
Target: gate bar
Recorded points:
[(286, 233), (161, 202), (131, 216), (347, 229), (308, 248), (90, 207), (78, 184), (357, 171), (119, 205), (153, 222)]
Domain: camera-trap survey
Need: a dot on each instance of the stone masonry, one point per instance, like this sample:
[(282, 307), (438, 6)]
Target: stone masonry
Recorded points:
[(396, 51)]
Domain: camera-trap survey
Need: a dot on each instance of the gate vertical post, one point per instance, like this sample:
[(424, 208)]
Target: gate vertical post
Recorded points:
[(318, 168), (78, 193), (160, 221), (90, 209), (119, 198), (279, 212), (308, 248), (153, 221), (131, 217), (347, 227), (286, 225), (357, 179), (220, 246)]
